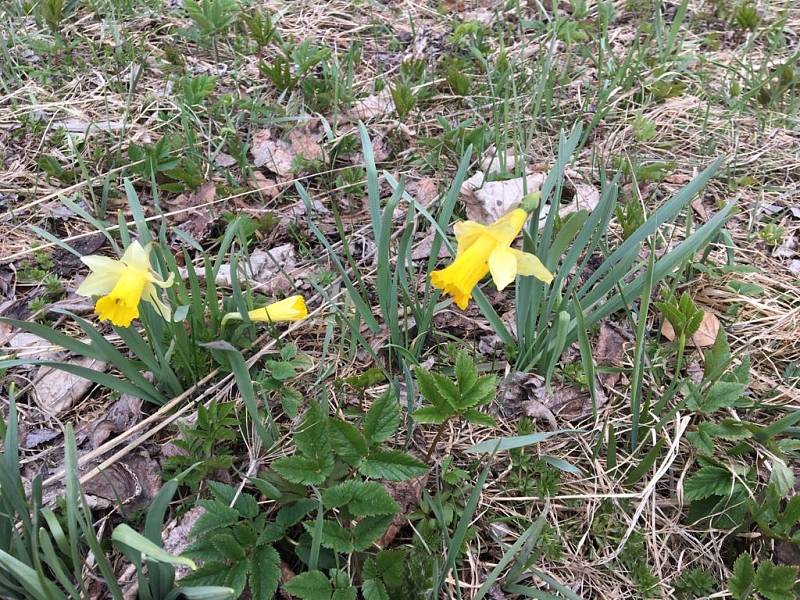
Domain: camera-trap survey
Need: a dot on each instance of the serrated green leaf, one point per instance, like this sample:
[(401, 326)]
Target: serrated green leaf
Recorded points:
[(427, 388), (227, 546), (211, 573), (216, 516), (312, 585), (775, 582), (782, 477), (477, 417), (482, 392), (741, 582), (791, 514), (466, 373), (368, 530), (393, 465), (373, 589), (447, 389), (311, 437), (718, 357), (236, 576), (701, 440), (280, 370), (707, 481), (345, 594), (721, 394), (383, 418), (347, 442), (334, 536), (729, 429), (305, 471), (362, 498), (432, 414)]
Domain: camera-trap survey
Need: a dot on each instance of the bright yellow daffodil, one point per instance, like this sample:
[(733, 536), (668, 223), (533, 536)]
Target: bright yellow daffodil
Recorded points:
[(122, 284), (487, 248), (292, 308)]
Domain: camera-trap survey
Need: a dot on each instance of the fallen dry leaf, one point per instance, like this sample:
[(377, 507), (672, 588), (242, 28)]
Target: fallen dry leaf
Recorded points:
[(702, 211), (58, 391), (133, 480), (123, 414), (703, 337), (407, 495), (275, 155), (177, 536), (610, 350), (376, 105), (266, 186), (305, 143), (224, 160), (193, 211), (486, 202), (263, 270), (526, 394), (424, 190)]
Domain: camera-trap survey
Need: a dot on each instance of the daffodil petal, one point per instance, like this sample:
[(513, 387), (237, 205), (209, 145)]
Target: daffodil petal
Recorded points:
[(157, 280), (467, 232), (507, 227), (151, 295), (137, 256), (104, 276), (503, 266), (529, 264)]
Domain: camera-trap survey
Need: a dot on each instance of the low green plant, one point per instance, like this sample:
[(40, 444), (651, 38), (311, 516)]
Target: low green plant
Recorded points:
[(404, 99), (205, 445), (276, 377), (772, 234), (695, 583), (769, 581), (454, 399), (45, 552), (212, 18)]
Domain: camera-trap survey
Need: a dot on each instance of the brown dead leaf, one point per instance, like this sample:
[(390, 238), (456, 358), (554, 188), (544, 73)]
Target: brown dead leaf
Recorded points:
[(526, 394), (486, 202), (192, 211), (264, 270), (275, 155), (703, 337), (678, 178), (266, 186), (58, 391), (424, 191), (423, 248), (123, 414), (406, 494), (610, 350), (177, 536), (133, 480), (305, 143), (371, 107), (702, 211)]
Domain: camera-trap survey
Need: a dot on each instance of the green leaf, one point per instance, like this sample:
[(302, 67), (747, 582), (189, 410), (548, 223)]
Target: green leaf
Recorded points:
[(217, 515), (701, 440), (347, 442), (511, 442), (211, 573), (382, 419), (123, 534), (482, 392), (334, 536), (718, 357), (373, 589), (428, 389), (476, 417), (791, 514), (775, 582), (707, 481), (466, 373), (280, 370), (447, 389), (782, 477), (236, 576), (393, 465), (728, 429), (368, 530), (312, 585), (228, 547), (302, 470), (311, 436), (362, 498), (722, 394), (432, 414), (741, 582), (345, 594)]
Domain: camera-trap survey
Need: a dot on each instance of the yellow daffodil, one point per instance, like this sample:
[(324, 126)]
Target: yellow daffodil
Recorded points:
[(123, 284), (487, 248), (292, 308)]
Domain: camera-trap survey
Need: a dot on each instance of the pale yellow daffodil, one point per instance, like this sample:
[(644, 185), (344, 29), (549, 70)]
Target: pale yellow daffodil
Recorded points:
[(292, 308), (487, 248), (122, 284)]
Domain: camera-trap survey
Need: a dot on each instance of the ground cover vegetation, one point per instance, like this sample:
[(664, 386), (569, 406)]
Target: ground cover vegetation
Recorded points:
[(353, 299)]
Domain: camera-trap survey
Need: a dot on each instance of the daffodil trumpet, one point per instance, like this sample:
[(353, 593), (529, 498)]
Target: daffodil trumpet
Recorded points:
[(122, 285), (486, 249), (292, 308)]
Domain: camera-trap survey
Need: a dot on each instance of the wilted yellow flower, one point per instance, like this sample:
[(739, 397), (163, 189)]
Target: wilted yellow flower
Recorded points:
[(292, 308), (123, 284), (487, 248)]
